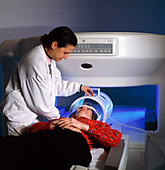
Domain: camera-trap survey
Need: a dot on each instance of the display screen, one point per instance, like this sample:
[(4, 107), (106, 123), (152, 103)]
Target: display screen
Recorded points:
[(93, 48)]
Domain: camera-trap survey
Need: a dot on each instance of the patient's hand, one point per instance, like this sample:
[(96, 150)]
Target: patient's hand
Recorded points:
[(70, 123), (53, 124)]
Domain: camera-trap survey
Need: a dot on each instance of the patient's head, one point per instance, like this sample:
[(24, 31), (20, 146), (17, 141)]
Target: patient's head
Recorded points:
[(86, 110)]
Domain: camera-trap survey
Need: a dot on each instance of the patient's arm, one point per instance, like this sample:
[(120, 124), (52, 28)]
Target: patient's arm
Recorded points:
[(39, 126), (71, 123), (65, 123), (102, 132)]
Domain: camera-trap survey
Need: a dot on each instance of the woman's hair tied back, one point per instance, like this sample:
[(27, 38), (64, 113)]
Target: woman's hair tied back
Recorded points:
[(62, 35)]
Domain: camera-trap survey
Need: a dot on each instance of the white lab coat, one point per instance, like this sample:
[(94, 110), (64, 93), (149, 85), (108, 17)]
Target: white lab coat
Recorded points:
[(31, 90)]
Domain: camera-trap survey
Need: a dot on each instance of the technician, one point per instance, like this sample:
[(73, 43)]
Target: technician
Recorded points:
[(31, 90)]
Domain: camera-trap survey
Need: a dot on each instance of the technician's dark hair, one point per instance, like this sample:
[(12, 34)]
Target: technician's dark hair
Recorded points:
[(63, 35)]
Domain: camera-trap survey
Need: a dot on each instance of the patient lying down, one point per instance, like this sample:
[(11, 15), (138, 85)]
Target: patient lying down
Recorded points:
[(60, 143)]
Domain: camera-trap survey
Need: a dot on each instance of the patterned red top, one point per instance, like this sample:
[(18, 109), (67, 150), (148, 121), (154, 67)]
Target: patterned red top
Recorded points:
[(98, 131)]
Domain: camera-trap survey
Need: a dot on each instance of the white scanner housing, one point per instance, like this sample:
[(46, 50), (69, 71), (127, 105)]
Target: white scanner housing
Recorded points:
[(107, 60)]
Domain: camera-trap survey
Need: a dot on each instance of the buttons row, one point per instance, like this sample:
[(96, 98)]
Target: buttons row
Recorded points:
[(92, 51)]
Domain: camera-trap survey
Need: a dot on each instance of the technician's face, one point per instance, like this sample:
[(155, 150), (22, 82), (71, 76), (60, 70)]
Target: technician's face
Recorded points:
[(84, 112), (59, 53)]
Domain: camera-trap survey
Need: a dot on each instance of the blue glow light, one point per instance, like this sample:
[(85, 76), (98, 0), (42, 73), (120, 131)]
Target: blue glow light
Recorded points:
[(129, 115), (132, 103)]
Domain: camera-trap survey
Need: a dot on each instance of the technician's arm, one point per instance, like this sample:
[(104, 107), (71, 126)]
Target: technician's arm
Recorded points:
[(37, 91), (66, 88)]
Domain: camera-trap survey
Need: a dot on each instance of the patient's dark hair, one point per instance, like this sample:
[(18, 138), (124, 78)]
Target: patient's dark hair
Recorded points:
[(63, 35)]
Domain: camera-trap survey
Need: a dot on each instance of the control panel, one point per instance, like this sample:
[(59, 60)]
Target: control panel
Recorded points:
[(96, 47)]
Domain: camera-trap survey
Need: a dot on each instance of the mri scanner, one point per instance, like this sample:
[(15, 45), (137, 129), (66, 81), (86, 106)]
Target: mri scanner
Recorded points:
[(126, 71)]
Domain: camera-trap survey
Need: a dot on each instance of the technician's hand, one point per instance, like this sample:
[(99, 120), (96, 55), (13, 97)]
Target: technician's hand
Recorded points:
[(87, 90)]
